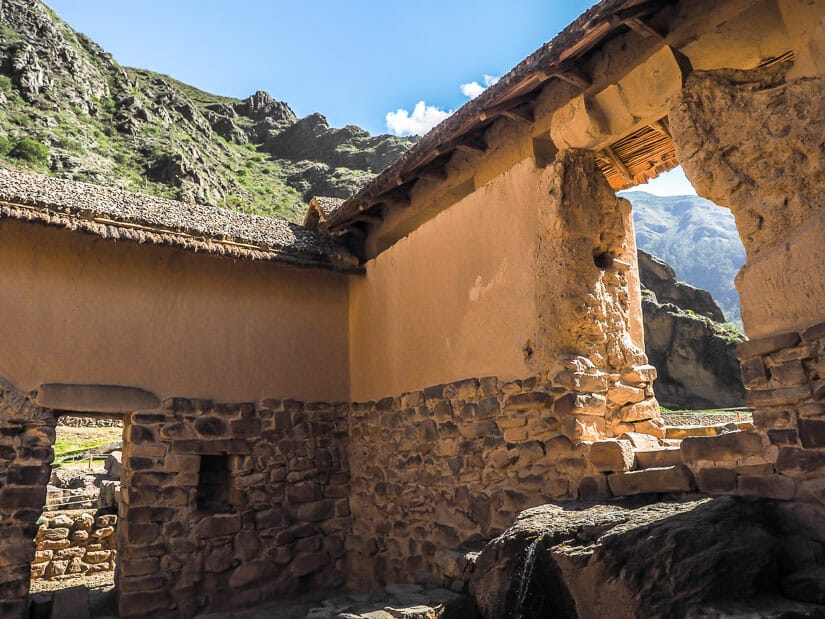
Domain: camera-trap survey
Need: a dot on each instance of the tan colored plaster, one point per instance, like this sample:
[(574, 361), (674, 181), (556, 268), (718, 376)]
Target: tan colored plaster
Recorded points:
[(78, 309), (454, 299)]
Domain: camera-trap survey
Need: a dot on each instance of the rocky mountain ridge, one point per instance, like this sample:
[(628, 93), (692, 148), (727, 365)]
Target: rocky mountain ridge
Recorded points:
[(695, 236), (68, 108), (687, 340)]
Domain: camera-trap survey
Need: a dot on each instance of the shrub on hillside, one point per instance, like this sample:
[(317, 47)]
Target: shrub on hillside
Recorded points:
[(31, 151)]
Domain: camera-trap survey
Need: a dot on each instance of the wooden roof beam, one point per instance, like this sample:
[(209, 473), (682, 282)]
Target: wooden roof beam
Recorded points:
[(574, 77), (637, 25), (432, 174), (617, 163), (519, 113), (472, 143)]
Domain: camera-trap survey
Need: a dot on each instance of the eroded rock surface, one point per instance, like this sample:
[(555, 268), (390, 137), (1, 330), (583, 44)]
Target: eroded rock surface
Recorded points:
[(720, 557), (687, 342)]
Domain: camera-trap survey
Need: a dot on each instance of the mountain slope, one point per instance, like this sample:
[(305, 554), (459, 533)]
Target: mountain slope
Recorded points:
[(695, 236), (66, 107)]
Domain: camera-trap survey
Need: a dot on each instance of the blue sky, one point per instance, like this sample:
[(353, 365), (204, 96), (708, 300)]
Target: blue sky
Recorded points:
[(385, 66)]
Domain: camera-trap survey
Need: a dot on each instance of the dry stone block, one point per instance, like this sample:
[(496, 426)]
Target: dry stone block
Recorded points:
[(814, 332), (766, 345), (641, 441), (659, 457), (803, 462), (754, 373), (591, 404), (611, 455), (768, 486), (648, 409), (659, 480), (790, 373), (639, 374), (593, 381), (593, 488), (583, 427), (527, 401), (654, 427), (778, 397), (812, 433), (621, 394), (725, 447), (716, 480)]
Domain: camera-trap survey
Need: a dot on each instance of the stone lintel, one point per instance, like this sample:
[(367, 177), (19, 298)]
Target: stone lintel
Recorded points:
[(87, 398), (766, 345)]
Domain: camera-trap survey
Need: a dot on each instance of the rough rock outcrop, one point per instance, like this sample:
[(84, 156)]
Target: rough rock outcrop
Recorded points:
[(97, 121), (715, 558), (693, 352)]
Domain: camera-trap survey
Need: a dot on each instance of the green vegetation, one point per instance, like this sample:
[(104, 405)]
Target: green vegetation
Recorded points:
[(30, 151), (72, 442)]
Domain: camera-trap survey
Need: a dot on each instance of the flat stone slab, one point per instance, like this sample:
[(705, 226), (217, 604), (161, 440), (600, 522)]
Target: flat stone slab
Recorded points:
[(649, 481)]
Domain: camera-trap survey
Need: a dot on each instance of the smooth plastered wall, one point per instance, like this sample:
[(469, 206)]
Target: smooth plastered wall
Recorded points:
[(79, 309), (454, 299)]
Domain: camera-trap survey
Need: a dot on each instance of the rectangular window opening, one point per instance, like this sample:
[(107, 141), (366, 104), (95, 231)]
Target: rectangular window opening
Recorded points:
[(214, 481)]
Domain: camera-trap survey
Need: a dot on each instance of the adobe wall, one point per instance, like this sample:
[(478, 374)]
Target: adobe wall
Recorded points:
[(86, 310), (454, 299), (285, 517)]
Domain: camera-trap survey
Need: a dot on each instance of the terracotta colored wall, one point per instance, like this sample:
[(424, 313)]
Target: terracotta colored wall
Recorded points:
[(86, 310), (456, 298)]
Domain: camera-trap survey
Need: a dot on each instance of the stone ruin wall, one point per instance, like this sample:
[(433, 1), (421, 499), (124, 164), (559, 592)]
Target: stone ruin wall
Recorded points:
[(438, 469), (285, 523), (70, 543), (26, 438)]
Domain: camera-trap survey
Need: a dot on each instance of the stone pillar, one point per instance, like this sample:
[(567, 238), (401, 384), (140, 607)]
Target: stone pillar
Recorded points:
[(26, 438), (588, 303), (752, 141)]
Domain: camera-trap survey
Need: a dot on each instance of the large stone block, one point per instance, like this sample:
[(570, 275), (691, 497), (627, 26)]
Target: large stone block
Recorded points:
[(766, 345), (812, 433), (767, 486), (784, 396), (725, 447), (647, 481), (581, 404), (648, 409), (611, 455), (716, 480)]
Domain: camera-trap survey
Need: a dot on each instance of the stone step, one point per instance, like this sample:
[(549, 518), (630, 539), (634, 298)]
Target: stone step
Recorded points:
[(678, 432), (658, 458), (665, 479)]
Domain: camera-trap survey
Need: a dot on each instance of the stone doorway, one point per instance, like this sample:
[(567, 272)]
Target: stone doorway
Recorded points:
[(689, 252), (76, 544)]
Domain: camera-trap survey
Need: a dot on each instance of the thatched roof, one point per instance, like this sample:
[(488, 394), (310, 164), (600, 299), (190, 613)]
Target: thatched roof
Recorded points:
[(512, 96), (319, 209), (120, 215)]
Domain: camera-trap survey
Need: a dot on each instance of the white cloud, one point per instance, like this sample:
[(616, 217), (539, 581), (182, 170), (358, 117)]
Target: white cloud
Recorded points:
[(472, 90), (423, 118)]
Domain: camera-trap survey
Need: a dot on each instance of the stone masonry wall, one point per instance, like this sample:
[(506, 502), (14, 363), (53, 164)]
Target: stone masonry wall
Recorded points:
[(26, 438), (281, 531), (74, 542), (435, 470)]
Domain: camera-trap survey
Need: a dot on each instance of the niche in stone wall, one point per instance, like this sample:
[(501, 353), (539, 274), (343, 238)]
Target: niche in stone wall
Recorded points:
[(214, 483)]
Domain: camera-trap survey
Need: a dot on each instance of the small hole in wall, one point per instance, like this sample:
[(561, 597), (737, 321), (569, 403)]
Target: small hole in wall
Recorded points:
[(528, 351), (604, 260), (214, 481)]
